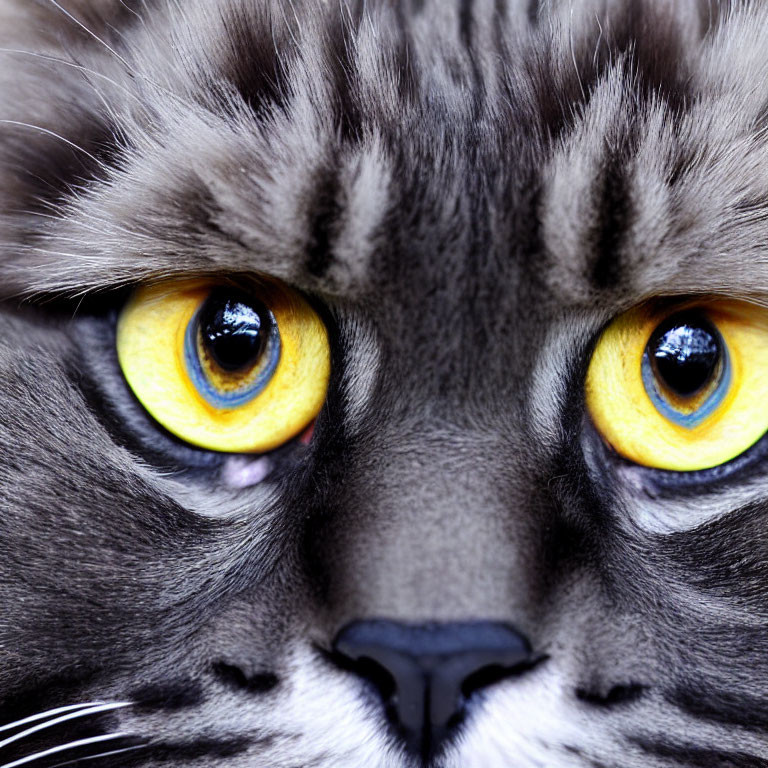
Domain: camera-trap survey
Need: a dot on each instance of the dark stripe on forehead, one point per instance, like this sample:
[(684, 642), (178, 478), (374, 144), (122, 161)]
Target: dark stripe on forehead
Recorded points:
[(341, 29), (698, 757), (49, 167), (719, 706), (613, 208), (404, 60), (324, 220), (257, 52), (654, 38), (533, 11), (650, 37), (467, 34), (466, 22)]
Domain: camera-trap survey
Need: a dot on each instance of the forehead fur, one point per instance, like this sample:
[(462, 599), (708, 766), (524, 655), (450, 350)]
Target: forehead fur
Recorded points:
[(618, 146)]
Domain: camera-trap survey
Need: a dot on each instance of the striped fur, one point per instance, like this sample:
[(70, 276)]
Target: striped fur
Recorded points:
[(470, 189)]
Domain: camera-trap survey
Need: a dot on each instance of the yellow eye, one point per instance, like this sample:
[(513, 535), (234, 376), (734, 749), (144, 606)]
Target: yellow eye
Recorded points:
[(224, 369), (682, 388)]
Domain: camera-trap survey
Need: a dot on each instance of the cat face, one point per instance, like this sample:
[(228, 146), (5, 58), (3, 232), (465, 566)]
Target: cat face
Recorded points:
[(453, 567)]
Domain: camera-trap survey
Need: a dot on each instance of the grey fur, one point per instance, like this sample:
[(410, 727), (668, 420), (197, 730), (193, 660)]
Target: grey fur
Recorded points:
[(471, 190)]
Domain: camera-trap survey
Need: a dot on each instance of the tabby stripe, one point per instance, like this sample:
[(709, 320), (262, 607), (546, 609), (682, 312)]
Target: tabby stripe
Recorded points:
[(613, 217), (194, 750), (699, 757), (725, 707), (466, 22), (533, 11), (258, 77), (168, 696), (323, 225), (342, 67), (466, 33), (65, 747)]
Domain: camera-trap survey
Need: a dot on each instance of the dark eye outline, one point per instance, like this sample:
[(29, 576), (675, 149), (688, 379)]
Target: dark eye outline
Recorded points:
[(668, 483)]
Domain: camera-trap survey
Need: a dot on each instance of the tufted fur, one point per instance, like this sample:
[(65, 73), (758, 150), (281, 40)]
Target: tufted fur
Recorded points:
[(469, 189)]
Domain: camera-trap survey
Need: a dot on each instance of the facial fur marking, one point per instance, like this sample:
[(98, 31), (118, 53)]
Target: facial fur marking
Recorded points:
[(325, 214), (233, 676), (691, 755), (618, 694), (170, 696), (99, 756), (722, 706), (198, 749), (614, 216)]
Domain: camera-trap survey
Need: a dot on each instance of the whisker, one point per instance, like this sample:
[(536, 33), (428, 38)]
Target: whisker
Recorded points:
[(92, 34), (49, 713), (130, 10), (74, 65), (76, 760), (95, 710), (55, 136), (130, 69), (65, 747)]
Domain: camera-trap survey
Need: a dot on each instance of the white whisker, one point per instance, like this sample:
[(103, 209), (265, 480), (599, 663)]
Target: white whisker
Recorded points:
[(100, 755), (95, 710), (64, 747), (73, 65), (90, 32), (131, 70), (55, 136), (130, 10), (49, 713)]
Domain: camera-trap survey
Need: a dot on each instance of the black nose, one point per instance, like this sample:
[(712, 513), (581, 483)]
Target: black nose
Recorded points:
[(426, 673)]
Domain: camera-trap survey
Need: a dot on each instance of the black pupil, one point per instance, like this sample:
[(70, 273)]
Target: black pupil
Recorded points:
[(685, 352), (234, 330)]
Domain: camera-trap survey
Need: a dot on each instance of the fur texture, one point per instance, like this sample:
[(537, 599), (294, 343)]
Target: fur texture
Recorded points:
[(469, 190)]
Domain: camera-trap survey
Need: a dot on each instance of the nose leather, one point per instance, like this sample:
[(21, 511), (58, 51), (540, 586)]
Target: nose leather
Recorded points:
[(426, 673)]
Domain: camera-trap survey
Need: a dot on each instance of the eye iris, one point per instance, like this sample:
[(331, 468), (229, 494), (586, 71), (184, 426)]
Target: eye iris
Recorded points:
[(234, 331), (686, 369), (686, 354), (232, 348)]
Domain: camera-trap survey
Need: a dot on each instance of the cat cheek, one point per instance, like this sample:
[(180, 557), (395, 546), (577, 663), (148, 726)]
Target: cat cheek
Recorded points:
[(242, 472)]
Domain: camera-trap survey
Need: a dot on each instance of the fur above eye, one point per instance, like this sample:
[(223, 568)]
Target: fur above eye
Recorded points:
[(682, 388), (224, 369)]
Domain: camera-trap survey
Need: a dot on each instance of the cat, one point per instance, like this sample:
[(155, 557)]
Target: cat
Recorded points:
[(452, 564)]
